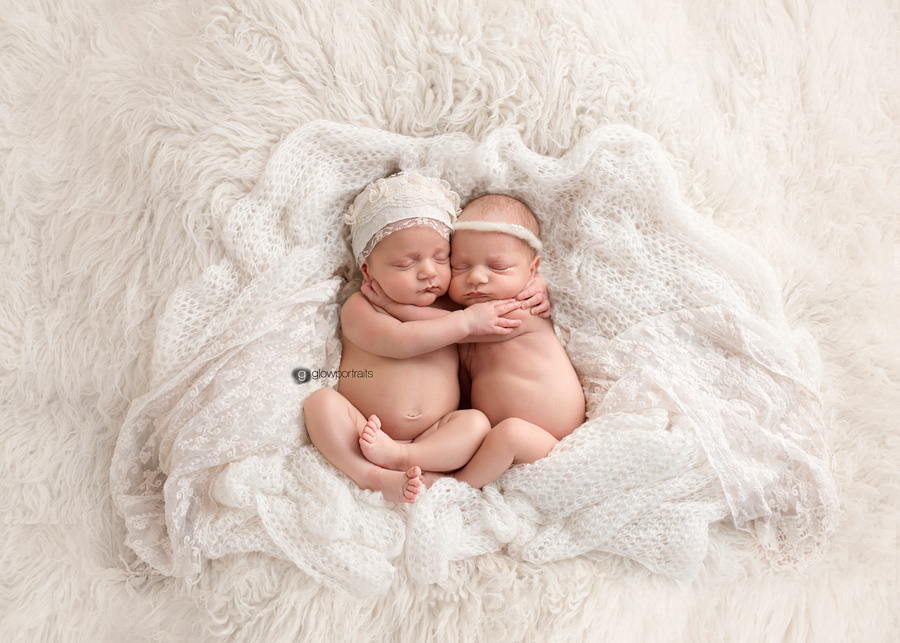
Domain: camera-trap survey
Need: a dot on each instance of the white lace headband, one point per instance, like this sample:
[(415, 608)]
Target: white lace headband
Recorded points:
[(515, 230)]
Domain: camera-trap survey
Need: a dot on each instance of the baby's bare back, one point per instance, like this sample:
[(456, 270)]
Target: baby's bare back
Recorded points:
[(529, 376), (408, 395)]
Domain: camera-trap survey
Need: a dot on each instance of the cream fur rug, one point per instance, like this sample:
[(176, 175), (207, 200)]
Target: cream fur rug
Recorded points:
[(127, 132)]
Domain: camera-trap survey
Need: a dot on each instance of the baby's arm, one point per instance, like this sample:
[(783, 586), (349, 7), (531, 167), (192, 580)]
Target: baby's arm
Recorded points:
[(409, 312), (528, 324), (406, 312), (533, 297), (381, 334)]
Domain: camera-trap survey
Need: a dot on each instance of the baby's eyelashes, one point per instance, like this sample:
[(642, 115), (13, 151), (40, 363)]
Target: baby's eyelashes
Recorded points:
[(496, 267), (409, 263)]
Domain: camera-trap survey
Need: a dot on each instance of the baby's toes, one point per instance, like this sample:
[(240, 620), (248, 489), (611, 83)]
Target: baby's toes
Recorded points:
[(368, 434), (370, 428), (413, 484), (411, 492)]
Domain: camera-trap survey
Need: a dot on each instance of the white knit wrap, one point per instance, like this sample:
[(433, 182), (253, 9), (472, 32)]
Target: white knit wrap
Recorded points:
[(702, 401), (403, 196)]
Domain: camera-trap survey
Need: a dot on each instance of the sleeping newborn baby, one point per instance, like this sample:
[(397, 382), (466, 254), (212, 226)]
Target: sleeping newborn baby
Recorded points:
[(382, 431), (522, 380)]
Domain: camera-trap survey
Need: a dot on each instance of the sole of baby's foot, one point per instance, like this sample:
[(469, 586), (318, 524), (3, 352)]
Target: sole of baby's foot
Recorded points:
[(397, 486), (378, 447)]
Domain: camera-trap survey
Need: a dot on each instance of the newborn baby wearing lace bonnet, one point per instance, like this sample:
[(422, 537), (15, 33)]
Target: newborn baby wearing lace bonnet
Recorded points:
[(400, 230)]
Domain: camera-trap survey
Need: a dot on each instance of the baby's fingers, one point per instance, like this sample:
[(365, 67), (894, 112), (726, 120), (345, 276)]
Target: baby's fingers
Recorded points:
[(505, 326), (532, 301), (542, 309), (529, 290), (507, 306)]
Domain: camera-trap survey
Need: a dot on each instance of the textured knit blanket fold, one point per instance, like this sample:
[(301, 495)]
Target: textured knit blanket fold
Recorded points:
[(702, 401)]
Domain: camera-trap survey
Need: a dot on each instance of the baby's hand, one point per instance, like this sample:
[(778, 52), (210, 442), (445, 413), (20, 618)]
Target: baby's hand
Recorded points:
[(375, 294), (534, 296), (487, 318)]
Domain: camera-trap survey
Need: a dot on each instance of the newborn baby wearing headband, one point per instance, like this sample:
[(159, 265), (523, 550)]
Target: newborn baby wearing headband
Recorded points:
[(523, 380), (400, 230)]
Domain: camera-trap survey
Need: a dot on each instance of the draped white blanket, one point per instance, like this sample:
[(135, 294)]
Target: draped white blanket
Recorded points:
[(702, 402)]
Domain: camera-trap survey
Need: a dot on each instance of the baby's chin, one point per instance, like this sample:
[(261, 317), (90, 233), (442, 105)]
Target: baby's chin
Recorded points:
[(421, 298), (464, 300)]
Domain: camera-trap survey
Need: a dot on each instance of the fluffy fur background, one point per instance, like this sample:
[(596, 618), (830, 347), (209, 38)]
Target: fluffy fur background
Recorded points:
[(127, 129)]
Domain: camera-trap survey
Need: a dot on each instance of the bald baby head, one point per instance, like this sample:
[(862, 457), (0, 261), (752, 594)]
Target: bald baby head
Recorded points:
[(502, 209), (499, 208)]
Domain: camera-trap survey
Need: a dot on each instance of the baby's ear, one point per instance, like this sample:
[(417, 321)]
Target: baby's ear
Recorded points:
[(365, 271), (534, 264)]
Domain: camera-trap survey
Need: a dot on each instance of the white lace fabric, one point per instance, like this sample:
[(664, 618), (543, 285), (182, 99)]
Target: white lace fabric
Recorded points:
[(702, 401)]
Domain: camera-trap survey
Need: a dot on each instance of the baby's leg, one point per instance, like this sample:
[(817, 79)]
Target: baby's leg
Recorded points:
[(334, 426), (446, 446), (512, 441)]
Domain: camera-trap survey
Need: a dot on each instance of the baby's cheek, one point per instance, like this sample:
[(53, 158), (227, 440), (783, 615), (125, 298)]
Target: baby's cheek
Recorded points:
[(456, 285), (512, 285)]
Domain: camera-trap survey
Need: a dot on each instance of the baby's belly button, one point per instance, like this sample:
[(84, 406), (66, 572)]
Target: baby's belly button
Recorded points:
[(407, 424)]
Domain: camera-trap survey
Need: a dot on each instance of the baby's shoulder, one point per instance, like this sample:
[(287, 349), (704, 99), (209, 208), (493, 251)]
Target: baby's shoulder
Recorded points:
[(357, 306), (354, 300)]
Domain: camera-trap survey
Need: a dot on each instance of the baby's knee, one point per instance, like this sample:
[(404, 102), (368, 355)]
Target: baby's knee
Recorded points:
[(319, 400), (511, 431), (322, 405), (526, 442), (476, 420)]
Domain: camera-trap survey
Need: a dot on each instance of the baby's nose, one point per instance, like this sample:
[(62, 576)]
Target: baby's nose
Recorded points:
[(478, 275), (427, 269)]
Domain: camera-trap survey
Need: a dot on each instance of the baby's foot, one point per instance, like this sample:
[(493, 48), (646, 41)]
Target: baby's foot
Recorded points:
[(380, 449), (397, 486)]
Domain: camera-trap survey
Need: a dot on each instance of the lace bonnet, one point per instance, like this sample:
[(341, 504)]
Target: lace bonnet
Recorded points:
[(402, 200)]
